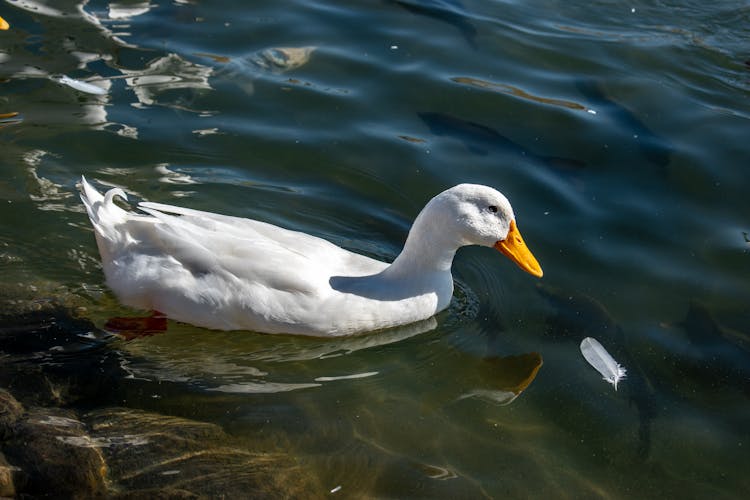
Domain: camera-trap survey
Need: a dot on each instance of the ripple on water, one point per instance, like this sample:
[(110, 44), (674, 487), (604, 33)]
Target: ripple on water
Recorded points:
[(400, 99)]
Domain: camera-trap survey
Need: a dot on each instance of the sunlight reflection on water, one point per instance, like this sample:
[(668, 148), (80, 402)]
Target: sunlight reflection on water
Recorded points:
[(617, 131)]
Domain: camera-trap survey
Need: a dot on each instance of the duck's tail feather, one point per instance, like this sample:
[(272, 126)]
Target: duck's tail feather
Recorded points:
[(104, 214)]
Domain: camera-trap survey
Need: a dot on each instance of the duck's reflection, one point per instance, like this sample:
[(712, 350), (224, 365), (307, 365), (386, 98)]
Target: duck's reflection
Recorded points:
[(245, 362), (503, 379), (248, 363), (12, 118)]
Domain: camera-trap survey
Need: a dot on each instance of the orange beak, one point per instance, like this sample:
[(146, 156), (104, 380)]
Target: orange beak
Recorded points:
[(516, 250), (4, 24)]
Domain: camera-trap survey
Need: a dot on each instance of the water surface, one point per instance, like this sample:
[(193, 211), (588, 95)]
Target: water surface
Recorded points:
[(618, 131)]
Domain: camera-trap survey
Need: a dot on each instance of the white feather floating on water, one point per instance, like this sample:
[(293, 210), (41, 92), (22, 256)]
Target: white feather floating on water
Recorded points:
[(599, 358)]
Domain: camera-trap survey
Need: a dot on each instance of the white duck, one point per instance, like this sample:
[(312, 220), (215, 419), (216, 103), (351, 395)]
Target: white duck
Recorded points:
[(229, 273)]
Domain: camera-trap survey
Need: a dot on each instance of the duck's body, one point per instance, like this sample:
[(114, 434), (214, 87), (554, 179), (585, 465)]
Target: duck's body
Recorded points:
[(230, 273)]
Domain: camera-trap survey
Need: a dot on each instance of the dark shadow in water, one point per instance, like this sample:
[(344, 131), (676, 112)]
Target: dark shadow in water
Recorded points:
[(654, 148), (579, 316), (54, 358), (483, 140), (447, 11), (724, 354)]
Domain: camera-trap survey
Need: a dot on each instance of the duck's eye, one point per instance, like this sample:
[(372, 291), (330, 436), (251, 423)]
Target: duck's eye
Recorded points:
[(492, 208)]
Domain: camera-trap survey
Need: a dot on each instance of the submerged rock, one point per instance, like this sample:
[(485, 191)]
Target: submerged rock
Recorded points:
[(10, 411), (40, 460), (54, 360), (156, 494), (180, 458), (7, 483), (132, 454)]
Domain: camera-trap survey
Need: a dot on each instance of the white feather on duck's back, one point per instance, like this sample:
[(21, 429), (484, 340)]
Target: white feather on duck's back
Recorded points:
[(231, 273)]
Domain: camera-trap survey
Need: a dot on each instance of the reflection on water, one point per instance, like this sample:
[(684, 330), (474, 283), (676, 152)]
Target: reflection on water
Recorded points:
[(150, 83), (125, 10), (619, 133), (163, 74), (508, 376), (79, 85), (517, 92), (12, 118), (227, 362), (47, 194), (281, 59), (243, 71)]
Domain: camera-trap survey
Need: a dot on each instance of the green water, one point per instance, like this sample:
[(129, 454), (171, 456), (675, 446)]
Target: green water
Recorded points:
[(619, 131)]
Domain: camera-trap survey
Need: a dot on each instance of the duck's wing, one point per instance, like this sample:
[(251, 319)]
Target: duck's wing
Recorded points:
[(238, 226), (252, 250)]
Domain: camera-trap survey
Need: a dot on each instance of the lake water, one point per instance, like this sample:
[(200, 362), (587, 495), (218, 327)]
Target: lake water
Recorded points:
[(620, 131)]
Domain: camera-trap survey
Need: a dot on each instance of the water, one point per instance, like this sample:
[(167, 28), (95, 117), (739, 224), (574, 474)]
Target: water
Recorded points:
[(618, 131)]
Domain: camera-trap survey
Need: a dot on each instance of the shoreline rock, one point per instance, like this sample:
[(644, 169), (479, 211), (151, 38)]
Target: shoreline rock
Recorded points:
[(60, 435)]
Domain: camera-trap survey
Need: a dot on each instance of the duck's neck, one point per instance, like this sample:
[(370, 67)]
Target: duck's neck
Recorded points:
[(417, 284), (428, 249)]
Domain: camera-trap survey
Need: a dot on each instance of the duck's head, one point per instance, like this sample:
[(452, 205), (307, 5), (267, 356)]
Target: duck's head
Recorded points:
[(481, 215)]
